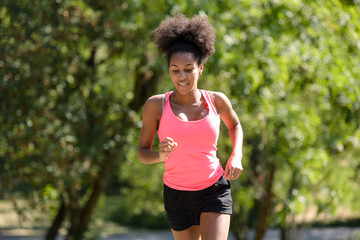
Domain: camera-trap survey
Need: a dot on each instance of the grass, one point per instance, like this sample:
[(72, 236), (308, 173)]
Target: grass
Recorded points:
[(35, 223)]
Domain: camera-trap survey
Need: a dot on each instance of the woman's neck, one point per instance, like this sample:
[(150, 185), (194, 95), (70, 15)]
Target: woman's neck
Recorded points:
[(188, 99)]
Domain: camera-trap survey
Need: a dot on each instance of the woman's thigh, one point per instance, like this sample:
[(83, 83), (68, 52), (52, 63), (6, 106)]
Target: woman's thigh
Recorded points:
[(191, 233), (214, 226)]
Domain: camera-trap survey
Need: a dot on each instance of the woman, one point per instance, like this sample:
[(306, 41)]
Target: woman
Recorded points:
[(197, 196)]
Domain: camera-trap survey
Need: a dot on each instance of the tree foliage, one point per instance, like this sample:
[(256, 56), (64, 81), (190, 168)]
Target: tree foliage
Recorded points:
[(74, 75), (65, 98)]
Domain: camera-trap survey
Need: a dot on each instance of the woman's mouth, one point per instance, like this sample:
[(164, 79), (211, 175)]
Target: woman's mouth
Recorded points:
[(183, 84)]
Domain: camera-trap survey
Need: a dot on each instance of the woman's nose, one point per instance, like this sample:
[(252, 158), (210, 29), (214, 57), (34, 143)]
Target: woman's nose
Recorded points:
[(182, 74)]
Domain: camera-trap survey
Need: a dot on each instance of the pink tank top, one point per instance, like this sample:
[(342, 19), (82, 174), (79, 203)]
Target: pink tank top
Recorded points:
[(193, 164)]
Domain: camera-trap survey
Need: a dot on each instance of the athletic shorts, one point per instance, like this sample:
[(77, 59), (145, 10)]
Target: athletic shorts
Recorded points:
[(183, 208)]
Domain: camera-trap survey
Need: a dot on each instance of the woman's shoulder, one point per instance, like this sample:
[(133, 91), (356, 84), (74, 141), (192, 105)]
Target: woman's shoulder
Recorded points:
[(155, 99), (153, 105), (220, 100), (218, 96)]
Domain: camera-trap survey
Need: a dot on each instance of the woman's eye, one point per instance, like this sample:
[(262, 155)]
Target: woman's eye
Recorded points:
[(175, 71), (189, 70)]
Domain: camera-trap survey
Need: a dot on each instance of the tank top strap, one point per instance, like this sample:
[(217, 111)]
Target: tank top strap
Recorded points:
[(167, 96), (165, 100), (209, 100)]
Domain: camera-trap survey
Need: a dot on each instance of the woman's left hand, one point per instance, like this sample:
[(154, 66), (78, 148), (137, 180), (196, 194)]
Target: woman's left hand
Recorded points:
[(233, 167)]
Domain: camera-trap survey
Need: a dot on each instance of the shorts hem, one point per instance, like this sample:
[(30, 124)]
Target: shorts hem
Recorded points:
[(227, 211), (179, 229), (182, 228)]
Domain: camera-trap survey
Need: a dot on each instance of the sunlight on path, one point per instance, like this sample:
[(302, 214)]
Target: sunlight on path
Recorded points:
[(341, 233)]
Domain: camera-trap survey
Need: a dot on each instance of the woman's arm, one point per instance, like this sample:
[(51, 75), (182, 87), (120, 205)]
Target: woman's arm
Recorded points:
[(224, 108), (150, 120)]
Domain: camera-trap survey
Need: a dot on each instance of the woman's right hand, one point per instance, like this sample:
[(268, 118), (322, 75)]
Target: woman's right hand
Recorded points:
[(166, 147)]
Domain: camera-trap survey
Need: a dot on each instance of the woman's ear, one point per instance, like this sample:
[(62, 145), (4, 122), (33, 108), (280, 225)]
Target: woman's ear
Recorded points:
[(201, 69)]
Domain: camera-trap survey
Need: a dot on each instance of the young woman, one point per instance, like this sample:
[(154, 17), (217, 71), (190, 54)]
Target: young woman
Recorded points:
[(197, 196)]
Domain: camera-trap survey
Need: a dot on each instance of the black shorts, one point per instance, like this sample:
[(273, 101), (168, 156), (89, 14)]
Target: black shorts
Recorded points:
[(183, 208)]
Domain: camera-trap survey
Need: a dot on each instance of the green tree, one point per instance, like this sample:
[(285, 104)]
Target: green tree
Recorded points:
[(292, 69), (76, 73), (67, 101)]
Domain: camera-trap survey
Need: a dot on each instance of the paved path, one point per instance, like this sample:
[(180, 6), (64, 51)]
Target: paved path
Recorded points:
[(273, 234), (341, 233)]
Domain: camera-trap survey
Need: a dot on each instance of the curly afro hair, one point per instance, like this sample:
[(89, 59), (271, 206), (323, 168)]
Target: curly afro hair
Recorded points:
[(181, 34)]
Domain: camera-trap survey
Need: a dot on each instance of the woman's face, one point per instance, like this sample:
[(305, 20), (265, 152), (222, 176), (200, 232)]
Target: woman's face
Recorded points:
[(184, 72)]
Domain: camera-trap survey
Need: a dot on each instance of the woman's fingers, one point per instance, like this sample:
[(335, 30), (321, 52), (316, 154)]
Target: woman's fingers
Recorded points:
[(168, 142), (232, 173), (166, 146), (227, 173), (235, 173)]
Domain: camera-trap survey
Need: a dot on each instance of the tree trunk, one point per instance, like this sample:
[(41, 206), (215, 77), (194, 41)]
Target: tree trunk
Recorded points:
[(74, 213), (90, 206), (76, 232), (265, 206), (285, 228), (53, 230), (284, 233), (146, 83)]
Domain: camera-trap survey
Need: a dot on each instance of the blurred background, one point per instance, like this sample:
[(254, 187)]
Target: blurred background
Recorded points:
[(74, 75)]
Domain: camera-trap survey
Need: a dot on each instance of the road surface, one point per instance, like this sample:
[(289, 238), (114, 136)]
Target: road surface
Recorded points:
[(341, 233)]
